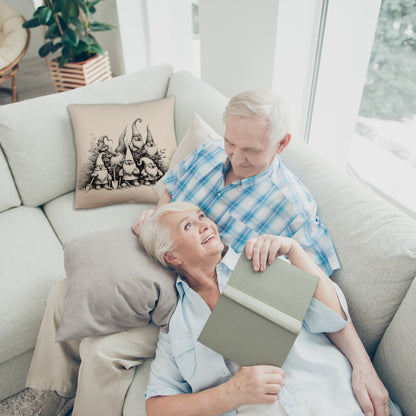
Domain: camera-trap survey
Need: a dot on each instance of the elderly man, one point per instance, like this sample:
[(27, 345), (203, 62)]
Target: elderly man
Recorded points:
[(241, 185)]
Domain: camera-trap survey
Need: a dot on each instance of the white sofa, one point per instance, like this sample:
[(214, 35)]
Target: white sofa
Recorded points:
[(376, 244)]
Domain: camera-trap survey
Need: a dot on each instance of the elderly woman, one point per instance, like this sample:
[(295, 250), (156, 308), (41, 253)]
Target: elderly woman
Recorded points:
[(187, 378)]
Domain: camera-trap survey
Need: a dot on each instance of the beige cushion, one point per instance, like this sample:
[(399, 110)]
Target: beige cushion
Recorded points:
[(13, 36), (198, 133), (113, 286), (47, 131), (375, 242), (122, 151)]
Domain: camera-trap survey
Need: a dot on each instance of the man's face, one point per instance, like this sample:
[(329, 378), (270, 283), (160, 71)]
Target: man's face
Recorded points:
[(195, 236), (247, 146)]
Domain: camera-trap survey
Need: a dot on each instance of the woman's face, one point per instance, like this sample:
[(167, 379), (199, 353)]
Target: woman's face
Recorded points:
[(195, 236)]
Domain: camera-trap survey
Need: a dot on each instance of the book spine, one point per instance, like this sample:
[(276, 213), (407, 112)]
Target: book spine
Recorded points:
[(263, 309)]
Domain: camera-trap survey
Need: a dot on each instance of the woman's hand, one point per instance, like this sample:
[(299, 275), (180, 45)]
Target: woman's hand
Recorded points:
[(141, 219), (264, 249), (255, 385)]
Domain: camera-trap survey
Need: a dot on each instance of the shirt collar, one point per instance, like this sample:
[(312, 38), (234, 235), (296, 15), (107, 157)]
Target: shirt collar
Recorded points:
[(224, 269), (252, 180)]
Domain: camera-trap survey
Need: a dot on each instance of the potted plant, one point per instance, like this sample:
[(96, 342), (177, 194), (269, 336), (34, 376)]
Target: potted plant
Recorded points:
[(68, 30)]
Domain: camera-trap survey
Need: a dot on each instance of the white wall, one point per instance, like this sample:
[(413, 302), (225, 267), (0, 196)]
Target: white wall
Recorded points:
[(238, 42)]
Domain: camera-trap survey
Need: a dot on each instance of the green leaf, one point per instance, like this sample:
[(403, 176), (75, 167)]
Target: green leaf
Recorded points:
[(70, 37), (62, 61), (57, 46), (58, 5), (52, 31), (70, 9), (44, 15), (96, 48), (77, 23), (45, 49), (34, 22), (100, 27), (66, 52)]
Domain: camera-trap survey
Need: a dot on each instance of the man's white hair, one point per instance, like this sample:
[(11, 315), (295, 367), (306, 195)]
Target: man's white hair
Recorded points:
[(261, 104), (156, 235)]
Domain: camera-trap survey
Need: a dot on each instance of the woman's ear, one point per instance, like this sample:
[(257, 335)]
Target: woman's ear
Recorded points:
[(170, 258)]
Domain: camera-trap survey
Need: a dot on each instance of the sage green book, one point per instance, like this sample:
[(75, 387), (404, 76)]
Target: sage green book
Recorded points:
[(259, 314)]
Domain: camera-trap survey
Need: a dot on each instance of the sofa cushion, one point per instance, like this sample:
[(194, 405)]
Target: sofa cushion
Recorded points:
[(122, 150), (394, 359), (374, 241), (46, 131), (195, 96), (113, 286), (9, 196), (31, 260), (69, 223)]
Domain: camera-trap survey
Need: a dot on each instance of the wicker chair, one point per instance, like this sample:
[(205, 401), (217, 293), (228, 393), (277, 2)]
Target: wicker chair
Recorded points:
[(14, 42)]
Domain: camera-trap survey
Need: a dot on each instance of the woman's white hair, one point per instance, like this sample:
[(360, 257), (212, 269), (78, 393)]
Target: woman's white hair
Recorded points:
[(156, 235), (261, 104)]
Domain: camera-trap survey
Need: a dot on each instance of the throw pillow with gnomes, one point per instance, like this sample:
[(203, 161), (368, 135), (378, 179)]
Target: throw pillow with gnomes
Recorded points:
[(122, 151)]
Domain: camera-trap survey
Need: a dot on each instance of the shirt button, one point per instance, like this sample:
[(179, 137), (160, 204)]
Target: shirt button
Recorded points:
[(219, 194)]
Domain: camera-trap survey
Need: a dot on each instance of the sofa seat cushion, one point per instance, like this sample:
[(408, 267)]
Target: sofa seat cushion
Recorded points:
[(47, 133), (9, 196), (375, 242), (31, 261), (134, 404), (69, 223)]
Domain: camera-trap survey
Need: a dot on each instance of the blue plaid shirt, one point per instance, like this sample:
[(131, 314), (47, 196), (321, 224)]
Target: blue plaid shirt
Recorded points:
[(272, 202)]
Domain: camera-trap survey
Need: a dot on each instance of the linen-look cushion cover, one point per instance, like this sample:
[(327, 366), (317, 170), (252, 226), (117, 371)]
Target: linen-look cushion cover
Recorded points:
[(122, 151), (113, 285)]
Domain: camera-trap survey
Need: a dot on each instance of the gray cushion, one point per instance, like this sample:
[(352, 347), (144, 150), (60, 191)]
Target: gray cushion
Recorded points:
[(26, 242), (9, 196), (394, 359), (194, 96), (375, 242), (113, 286), (46, 131)]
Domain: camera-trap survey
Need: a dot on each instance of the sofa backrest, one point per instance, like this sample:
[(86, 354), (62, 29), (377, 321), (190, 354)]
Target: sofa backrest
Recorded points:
[(375, 242), (36, 135), (9, 197)]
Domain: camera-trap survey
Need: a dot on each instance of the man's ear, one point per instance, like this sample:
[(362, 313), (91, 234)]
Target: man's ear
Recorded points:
[(283, 143), (170, 258)]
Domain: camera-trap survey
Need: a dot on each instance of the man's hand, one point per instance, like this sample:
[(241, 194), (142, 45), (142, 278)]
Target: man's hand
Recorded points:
[(141, 219), (264, 249), (370, 392), (255, 385)]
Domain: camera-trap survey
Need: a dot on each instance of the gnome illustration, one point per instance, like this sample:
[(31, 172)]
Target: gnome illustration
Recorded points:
[(137, 141), (100, 176), (129, 173), (117, 158), (150, 173), (150, 147)]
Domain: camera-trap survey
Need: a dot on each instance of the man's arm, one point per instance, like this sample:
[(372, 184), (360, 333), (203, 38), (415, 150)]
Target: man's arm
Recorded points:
[(368, 388), (165, 198)]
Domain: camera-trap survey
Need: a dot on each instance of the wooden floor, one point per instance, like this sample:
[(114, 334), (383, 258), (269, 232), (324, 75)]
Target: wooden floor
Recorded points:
[(33, 80)]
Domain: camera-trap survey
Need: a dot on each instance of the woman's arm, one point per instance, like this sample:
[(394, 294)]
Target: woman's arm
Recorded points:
[(250, 385)]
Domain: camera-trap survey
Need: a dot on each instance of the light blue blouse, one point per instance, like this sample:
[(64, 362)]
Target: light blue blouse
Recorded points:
[(317, 375)]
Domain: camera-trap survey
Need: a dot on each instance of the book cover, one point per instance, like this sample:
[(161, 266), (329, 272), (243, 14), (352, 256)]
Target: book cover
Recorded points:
[(259, 314)]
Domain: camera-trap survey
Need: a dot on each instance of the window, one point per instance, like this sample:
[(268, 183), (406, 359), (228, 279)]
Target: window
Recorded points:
[(383, 147)]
